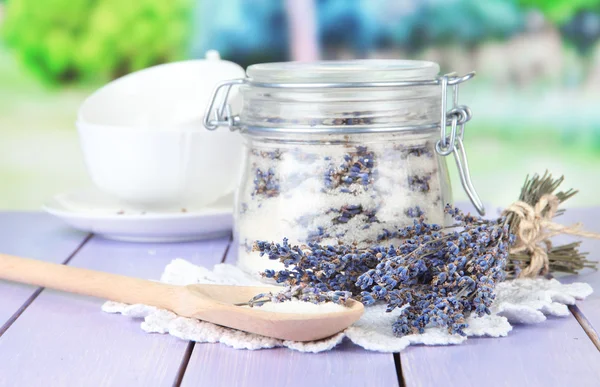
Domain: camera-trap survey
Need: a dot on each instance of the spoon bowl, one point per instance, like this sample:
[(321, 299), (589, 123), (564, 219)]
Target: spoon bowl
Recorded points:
[(221, 309)]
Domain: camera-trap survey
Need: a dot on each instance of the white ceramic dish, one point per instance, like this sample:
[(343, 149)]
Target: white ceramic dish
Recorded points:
[(95, 212)]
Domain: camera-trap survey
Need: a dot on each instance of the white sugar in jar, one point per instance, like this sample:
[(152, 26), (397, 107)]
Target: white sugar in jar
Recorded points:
[(342, 152)]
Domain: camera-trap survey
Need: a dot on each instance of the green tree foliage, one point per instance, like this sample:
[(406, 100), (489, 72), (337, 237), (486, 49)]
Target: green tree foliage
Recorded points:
[(560, 11), (582, 31), (73, 40)]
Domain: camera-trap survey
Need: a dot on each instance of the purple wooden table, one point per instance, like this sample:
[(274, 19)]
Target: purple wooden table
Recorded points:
[(49, 338)]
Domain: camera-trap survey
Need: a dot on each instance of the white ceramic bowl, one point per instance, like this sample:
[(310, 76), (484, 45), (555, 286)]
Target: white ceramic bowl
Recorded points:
[(155, 169), (143, 140)]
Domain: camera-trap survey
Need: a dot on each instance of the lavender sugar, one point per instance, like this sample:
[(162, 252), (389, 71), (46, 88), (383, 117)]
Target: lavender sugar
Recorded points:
[(333, 192), (297, 306)]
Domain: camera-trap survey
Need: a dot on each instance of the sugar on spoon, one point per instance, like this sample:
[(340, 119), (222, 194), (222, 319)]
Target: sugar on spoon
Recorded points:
[(212, 303)]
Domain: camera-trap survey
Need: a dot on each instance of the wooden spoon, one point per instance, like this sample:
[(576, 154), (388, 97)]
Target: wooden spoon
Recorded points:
[(213, 303)]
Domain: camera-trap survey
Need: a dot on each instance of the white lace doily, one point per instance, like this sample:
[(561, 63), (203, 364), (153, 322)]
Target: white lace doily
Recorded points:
[(523, 301)]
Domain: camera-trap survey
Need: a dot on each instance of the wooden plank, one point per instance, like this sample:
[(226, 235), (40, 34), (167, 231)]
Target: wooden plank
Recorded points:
[(34, 235), (556, 352), (63, 339), (588, 311), (586, 325), (346, 365)]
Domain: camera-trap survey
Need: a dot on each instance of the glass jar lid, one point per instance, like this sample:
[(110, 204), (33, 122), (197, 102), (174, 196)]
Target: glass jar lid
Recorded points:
[(359, 71), (338, 97)]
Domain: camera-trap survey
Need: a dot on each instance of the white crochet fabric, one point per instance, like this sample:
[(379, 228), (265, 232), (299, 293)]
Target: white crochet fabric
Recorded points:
[(524, 301)]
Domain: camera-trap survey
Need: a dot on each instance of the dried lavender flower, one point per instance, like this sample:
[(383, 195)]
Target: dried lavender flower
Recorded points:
[(272, 155), (419, 183), (266, 183), (301, 292), (357, 167), (437, 277)]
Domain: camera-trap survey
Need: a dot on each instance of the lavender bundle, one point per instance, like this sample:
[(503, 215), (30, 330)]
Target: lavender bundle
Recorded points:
[(435, 278), (563, 258)]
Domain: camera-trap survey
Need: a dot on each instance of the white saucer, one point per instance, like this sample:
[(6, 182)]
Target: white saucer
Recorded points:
[(95, 212)]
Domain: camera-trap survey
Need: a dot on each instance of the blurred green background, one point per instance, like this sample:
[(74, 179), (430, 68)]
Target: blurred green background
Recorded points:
[(535, 99)]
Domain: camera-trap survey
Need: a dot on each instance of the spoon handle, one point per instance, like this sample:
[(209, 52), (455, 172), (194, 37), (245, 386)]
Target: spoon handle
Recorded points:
[(88, 282)]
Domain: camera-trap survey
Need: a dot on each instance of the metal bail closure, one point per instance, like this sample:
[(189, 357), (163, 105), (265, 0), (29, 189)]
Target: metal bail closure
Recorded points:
[(456, 118), (221, 115)]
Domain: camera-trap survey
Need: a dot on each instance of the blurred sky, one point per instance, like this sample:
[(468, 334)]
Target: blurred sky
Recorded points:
[(535, 98)]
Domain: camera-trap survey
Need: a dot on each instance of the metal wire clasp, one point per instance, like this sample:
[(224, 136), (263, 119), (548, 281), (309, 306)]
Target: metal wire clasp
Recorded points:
[(456, 118), (222, 115)]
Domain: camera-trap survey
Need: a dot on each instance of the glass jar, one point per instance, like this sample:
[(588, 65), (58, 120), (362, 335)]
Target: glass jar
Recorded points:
[(341, 152)]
